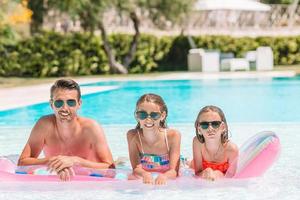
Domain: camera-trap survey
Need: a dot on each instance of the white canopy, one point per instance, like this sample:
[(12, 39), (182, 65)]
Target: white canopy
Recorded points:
[(246, 5)]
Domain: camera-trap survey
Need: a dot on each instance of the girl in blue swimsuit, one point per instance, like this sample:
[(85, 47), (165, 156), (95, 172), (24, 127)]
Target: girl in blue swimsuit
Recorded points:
[(152, 146)]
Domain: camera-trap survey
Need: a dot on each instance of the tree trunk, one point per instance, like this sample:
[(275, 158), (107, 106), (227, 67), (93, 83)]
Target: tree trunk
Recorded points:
[(115, 67), (37, 19), (130, 55)]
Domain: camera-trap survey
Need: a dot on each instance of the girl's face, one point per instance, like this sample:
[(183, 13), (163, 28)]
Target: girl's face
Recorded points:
[(149, 115), (211, 126)]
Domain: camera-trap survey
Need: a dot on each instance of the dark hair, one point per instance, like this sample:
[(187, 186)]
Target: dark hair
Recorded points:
[(156, 99), (224, 135), (67, 84)]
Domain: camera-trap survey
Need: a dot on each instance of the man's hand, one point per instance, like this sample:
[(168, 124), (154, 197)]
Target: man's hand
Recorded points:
[(59, 163), (66, 174)]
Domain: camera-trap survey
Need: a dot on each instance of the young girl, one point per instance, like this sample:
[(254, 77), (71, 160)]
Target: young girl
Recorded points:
[(213, 153), (152, 146)]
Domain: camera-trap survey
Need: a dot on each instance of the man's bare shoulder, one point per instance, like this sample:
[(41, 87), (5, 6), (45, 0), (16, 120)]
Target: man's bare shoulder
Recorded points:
[(91, 127), (46, 120), (43, 126), (88, 123)]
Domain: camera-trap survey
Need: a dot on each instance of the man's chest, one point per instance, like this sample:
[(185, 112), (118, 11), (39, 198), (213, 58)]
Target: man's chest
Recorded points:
[(76, 147)]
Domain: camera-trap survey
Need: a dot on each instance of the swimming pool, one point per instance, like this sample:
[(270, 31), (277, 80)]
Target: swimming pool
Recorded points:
[(242, 100), (251, 105)]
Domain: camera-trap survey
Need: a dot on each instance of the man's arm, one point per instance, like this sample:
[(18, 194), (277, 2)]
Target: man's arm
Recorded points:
[(34, 145), (102, 150)]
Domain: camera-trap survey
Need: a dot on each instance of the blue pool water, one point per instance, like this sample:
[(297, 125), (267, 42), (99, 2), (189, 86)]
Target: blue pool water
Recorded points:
[(242, 100), (250, 105)]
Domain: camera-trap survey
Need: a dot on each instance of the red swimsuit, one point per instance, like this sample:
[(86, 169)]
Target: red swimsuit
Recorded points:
[(223, 167)]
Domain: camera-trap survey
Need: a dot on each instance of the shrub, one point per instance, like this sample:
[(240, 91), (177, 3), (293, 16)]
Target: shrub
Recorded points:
[(53, 54)]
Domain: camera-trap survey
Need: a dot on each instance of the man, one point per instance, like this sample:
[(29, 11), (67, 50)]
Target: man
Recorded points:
[(66, 139)]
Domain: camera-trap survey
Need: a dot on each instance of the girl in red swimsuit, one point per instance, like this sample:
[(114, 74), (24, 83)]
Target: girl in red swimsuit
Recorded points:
[(213, 153)]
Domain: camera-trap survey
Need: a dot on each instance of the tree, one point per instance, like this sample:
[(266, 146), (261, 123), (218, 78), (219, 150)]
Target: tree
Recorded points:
[(160, 12), (91, 15), (39, 10), (12, 14)]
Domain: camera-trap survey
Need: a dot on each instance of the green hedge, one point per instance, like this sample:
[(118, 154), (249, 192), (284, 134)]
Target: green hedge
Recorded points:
[(53, 54)]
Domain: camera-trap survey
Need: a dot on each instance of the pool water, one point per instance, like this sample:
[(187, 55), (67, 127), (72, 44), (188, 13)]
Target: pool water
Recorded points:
[(281, 181), (242, 100), (251, 106)]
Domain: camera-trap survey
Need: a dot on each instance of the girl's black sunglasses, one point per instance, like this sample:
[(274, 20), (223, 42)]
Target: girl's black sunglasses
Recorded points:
[(213, 124), (141, 115)]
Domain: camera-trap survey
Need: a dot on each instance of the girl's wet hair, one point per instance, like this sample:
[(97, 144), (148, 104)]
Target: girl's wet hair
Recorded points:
[(156, 99), (224, 135)]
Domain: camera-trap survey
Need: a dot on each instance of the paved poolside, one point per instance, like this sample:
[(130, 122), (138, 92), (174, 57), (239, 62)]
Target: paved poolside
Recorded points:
[(27, 95)]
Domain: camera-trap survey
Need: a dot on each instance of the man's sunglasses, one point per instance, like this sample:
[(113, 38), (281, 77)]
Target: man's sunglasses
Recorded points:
[(60, 103), (141, 115), (213, 124)]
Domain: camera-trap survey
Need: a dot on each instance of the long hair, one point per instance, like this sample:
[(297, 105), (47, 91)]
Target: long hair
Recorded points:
[(156, 99), (224, 135)]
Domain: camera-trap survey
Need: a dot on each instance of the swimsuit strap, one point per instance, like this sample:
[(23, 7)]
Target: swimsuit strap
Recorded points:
[(140, 141), (166, 138)]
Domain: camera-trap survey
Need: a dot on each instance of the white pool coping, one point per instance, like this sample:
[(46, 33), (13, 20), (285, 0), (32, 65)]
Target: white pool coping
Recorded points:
[(23, 96), (28, 95)]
